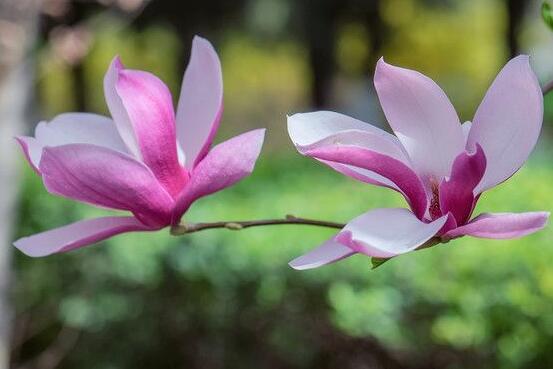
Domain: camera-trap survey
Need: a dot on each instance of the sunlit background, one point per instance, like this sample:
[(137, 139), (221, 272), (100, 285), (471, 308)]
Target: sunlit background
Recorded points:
[(223, 299)]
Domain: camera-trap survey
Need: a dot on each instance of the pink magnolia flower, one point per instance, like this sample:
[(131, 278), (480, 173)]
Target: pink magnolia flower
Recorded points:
[(146, 159), (440, 166)]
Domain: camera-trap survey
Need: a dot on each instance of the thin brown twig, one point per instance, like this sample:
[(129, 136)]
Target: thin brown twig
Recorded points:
[(185, 228)]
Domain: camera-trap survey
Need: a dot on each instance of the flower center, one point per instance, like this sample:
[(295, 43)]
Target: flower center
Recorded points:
[(434, 209)]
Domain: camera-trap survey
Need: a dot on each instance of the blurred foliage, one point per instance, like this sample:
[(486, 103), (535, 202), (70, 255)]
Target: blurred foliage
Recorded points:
[(547, 14)]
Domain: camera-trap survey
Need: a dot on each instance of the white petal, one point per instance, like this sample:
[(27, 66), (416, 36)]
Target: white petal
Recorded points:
[(200, 103), (421, 116), (388, 232), (327, 253), (508, 121)]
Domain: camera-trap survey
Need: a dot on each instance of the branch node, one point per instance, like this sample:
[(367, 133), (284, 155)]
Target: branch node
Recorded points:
[(179, 229), (234, 226), (291, 217)]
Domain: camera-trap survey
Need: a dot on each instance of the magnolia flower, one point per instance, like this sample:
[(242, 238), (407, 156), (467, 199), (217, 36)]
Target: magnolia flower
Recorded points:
[(440, 166), (146, 159)]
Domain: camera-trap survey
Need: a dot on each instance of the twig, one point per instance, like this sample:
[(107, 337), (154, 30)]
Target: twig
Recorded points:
[(185, 228)]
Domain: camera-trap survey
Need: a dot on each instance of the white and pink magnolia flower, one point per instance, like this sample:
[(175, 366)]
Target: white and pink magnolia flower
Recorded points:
[(147, 159), (440, 166)]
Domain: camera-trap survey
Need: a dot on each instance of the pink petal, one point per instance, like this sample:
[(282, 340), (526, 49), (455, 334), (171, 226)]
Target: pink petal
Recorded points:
[(394, 170), (329, 252), (508, 121), (70, 128), (388, 232), (76, 235), (501, 225), (421, 116), (200, 103), (456, 193), (385, 233), (223, 166), (117, 109), (149, 106), (309, 131), (32, 150), (107, 178)]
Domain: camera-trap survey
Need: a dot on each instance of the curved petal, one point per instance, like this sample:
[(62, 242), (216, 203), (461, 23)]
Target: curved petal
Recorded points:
[(308, 129), (362, 175), (76, 235), (501, 225), (117, 109), (466, 129), (329, 252), (397, 172), (149, 106), (224, 165), (421, 116), (142, 108), (200, 103), (508, 121), (385, 233), (71, 128), (456, 193), (32, 150), (104, 177)]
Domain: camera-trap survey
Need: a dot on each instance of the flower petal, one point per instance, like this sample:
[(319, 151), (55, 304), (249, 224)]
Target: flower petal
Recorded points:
[(501, 225), (223, 166), (385, 233), (466, 129), (456, 193), (421, 116), (394, 170), (70, 128), (329, 252), (149, 106), (76, 235), (32, 149), (508, 121), (309, 131), (117, 109), (200, 103), (107, 178)]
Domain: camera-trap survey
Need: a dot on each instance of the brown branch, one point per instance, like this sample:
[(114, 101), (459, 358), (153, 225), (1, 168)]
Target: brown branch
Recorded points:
[(186, 228)]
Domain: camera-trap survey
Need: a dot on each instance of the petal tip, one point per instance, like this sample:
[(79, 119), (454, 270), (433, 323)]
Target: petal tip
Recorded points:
[(21, 245), (298, 265), (117, 63), (201, 43)]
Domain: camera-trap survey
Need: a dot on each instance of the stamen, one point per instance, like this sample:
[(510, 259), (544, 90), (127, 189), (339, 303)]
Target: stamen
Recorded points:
[(434, 209)]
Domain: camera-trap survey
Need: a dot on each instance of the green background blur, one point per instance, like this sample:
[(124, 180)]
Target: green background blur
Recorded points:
[(224, 299)]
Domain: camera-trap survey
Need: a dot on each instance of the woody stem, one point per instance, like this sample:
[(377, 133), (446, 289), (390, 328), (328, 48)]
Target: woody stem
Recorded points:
[(185, 228)]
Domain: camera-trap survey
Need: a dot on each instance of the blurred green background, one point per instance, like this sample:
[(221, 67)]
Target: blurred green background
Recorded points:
[(223, 299)]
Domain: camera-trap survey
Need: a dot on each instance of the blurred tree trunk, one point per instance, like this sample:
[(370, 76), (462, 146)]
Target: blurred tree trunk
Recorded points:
[(515, 11), (319, 22), (17, 29)]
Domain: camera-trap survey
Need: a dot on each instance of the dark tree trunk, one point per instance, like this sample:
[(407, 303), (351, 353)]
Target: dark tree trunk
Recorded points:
[(515, 10), (319, 20)]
